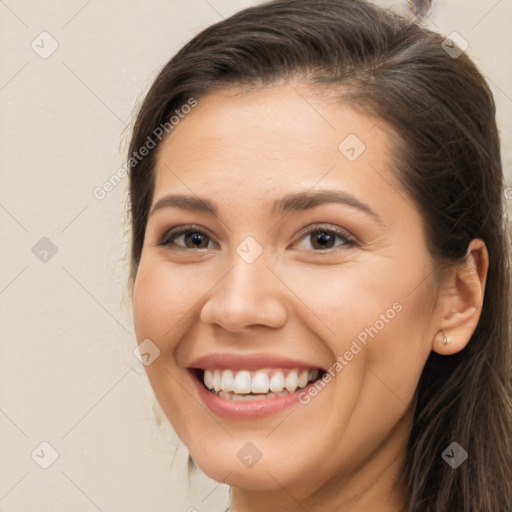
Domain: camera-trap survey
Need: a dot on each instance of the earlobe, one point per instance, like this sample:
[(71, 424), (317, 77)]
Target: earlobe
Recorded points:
[(461, 300), (441, 338)]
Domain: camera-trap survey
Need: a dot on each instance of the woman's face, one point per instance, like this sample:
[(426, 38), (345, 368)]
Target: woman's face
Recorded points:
[(249, 300)]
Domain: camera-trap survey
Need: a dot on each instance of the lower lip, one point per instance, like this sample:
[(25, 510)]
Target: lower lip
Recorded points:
[(241, 409)]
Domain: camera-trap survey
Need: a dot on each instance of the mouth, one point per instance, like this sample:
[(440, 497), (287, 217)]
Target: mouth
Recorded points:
[(261, 384)]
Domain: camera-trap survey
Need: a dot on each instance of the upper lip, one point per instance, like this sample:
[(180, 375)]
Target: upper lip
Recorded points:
[(251, 362)]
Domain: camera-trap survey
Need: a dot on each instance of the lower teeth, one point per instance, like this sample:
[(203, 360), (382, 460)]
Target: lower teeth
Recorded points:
[(234, 396)]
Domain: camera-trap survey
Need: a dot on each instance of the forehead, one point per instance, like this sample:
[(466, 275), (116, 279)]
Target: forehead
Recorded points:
[(278, 136)]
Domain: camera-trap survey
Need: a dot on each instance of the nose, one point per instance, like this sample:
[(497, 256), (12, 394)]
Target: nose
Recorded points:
[(248, 295)]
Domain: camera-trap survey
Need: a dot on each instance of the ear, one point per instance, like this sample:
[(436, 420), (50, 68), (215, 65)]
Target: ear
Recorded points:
[(461, 299)]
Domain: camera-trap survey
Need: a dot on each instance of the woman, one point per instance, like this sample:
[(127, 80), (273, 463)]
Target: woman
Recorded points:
[(320, 257)]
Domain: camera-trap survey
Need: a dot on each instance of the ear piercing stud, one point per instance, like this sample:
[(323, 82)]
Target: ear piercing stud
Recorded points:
[(446, 340)]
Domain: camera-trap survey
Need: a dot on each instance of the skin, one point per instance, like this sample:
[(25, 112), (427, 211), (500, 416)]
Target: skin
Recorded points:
[(344, 450)]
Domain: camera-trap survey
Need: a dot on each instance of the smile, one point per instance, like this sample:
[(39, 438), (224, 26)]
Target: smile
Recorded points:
[(243, 386), (261, 384)]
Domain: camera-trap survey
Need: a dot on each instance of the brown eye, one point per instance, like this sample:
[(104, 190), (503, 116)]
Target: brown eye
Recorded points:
[(326, 239), (322, 240), (186, 238), (196, 240)]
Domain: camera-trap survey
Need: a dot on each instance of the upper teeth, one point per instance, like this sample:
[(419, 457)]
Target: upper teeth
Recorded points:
[(261, 381)]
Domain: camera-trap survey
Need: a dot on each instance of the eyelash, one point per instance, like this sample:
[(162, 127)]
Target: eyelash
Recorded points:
[(170, 236)]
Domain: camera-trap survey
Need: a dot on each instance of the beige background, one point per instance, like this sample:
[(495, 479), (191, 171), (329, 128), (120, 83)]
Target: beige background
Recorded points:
[(68, 375)]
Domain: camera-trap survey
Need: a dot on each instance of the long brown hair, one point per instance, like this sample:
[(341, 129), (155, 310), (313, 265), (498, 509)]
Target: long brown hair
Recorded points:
[(447, 157)]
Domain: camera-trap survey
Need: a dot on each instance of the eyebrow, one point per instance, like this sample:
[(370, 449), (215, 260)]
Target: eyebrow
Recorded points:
[(296, 201)]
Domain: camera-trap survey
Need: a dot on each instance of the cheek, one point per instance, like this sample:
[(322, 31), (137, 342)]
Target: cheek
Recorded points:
[(377, 317), (162, 297), (356, 300)]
